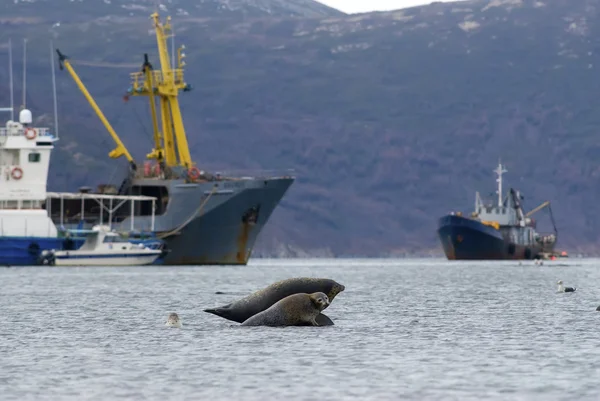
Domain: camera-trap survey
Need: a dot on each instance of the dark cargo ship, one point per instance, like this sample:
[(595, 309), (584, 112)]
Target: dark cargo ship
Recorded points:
[(495, 230)]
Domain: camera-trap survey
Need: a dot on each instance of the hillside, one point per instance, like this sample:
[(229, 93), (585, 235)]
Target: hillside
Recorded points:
[(389, 119), (65, 11)]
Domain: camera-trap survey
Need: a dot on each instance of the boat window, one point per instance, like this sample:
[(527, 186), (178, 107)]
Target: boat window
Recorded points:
[(488, 210), (34, 157), (503, 210)]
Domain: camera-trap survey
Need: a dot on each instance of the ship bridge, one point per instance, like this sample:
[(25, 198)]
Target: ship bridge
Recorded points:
[(505, 211)]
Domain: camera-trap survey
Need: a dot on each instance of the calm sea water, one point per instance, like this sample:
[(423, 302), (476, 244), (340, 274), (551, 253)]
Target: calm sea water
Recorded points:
[(405, 329)]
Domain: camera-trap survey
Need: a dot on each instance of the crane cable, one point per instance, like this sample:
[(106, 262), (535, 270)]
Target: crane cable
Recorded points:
[(103, 64), (553, 222), (190, 218)]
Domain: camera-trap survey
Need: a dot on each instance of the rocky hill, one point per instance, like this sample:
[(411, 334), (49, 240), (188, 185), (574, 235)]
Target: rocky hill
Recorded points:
[(80, 10), (389, 119)]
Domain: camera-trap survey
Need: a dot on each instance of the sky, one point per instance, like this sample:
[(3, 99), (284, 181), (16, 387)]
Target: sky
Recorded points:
[(360, 6)]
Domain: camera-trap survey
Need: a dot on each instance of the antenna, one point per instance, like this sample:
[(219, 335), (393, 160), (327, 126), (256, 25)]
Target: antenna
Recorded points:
[(54, 90), (499, 170), (10, 75), (24, 71)]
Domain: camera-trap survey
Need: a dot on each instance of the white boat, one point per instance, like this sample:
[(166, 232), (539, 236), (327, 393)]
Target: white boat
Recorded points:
[(104, 247)]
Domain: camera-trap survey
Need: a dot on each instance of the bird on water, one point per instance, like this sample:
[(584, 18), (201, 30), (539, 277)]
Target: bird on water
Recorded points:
[(562, 288)]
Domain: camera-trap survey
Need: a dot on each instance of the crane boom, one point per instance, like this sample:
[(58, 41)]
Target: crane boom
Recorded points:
[(537, 209), (120, 150)]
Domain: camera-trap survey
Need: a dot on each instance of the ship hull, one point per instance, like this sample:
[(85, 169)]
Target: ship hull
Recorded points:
[(25, 251), (202, 223), (467, 239), (92, 259), (220, 236)]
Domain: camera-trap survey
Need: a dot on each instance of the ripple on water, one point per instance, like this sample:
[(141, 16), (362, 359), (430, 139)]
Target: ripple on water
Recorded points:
[(416, 329)]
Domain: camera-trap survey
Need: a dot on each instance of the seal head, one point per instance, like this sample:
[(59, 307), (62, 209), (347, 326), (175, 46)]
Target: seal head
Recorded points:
[(173, 321)]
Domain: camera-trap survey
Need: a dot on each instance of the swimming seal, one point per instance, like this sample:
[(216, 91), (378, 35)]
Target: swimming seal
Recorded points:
[(293, 310), (242, 309), (173, 321)]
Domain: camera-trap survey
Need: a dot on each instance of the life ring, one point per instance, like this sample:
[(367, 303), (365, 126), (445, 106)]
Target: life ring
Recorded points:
[(194, 173), (30, 133), (16, 173)]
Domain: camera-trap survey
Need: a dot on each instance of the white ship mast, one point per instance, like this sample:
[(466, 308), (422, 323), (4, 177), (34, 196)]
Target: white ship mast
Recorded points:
[(499, 170), (10, 109)]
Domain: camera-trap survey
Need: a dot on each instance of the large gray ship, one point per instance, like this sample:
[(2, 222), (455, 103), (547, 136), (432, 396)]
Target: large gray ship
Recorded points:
[(204, 218)]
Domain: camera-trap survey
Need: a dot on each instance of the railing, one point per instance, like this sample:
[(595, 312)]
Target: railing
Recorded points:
[(158, 78), (257, 174), (546, 239), (13, 132), (88, 222), (154, 172)]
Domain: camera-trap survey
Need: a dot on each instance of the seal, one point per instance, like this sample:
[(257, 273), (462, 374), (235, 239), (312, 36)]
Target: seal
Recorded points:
[(173, 320), (293, 310), (242, 309)]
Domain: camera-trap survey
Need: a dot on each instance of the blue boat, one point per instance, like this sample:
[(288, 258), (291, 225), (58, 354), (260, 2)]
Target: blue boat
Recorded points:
[(495, 230)]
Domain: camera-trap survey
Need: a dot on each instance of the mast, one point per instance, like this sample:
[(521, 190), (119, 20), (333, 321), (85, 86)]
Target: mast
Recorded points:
[(10, 75), (10, 109), (54, 89), (24, 73), (165, 84), (499, 171)]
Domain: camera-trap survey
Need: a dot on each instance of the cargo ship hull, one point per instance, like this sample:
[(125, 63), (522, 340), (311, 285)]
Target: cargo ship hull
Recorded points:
[(224, 233), (206, 223), (468, 239)]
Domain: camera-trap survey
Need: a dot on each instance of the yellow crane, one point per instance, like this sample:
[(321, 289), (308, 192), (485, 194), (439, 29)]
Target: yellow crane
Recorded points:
[(170, 142), (165, 84), (120, 150)]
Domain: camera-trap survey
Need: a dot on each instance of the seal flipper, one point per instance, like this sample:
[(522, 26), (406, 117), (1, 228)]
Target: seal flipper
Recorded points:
[(320, 320), (323, 320), (222, 311)]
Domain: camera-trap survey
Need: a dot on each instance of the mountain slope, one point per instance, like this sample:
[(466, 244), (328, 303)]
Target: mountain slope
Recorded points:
[(389, 119), (78, 10)]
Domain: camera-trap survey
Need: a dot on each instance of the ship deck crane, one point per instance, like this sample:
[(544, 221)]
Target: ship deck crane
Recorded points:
[(540, 207), (165, 84), (120, 150), (537, 209), (170, 145)]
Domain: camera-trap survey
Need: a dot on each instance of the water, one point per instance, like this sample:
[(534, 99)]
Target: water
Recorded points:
[(410, 329)]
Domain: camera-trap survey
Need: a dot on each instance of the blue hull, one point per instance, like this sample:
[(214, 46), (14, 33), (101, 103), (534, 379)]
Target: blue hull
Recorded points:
[(25, 251), (467, 239)]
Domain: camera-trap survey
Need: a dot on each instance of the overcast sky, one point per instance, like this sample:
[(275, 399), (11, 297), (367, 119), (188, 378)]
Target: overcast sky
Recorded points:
[(358, 6)]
